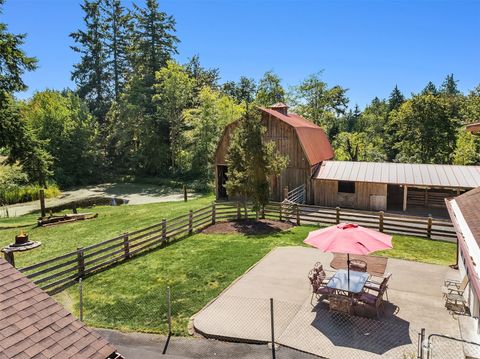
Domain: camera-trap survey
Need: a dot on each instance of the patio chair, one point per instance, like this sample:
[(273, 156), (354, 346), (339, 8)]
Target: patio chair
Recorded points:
[(451, 286), (318, 284), (376, 285), (358, 265), (373, 301), (340, 303), (454, 299)]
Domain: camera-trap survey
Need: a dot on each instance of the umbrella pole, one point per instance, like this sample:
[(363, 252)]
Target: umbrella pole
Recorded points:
[(348, 271)]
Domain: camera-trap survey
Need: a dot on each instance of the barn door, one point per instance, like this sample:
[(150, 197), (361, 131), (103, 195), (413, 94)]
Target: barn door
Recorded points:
[(221, 180)]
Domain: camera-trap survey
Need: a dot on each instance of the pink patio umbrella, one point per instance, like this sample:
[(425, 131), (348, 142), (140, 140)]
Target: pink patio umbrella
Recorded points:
[(349, 238)]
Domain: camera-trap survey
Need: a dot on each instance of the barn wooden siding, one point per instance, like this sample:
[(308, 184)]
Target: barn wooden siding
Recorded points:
[(366, 194), (298, 169)]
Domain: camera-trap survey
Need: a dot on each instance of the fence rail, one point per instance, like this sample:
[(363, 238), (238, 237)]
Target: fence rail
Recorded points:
[(58, 273)]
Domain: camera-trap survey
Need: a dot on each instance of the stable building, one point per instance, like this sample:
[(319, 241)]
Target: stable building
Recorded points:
[(305, 144), (391, 186)]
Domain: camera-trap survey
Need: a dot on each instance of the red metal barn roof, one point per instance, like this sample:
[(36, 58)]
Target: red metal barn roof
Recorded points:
[(313, 139), (33, 324)]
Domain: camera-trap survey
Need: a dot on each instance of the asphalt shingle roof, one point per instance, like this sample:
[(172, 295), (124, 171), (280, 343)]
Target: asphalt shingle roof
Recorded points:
[(34, 325)]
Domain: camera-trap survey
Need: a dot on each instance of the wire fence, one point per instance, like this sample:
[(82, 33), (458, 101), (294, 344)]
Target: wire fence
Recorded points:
[(439, 346), (238, 327)]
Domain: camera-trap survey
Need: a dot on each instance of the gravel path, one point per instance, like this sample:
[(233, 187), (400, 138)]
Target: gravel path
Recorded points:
[(134, 193)]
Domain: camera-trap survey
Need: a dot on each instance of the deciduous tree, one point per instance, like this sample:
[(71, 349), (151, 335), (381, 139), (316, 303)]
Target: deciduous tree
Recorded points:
[(270, 90)]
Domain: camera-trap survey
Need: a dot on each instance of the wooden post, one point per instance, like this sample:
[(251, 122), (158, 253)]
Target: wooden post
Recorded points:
[(190, 222), (164, 230), (80, 262), (285, 192), (80, 298), (9, 257), (380, 221), (74, 208), (297, 212), (262, 211), (185, 193), (256, 215), (429, 226), (213, 213), (42, 202), (126, 246), (405, 194), (238, 211), (337, 212), (280, 212)]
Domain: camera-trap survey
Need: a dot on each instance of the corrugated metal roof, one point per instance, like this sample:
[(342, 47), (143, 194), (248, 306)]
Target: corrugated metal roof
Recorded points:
[(410, 174), (313, 139)]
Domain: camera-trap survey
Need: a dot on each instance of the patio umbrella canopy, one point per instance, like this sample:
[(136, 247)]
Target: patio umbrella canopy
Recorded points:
[(349, 238)]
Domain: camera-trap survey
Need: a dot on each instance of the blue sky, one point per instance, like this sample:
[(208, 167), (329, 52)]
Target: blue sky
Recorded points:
[(365, 46)]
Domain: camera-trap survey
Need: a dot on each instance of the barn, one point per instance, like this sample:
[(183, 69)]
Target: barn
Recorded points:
[(305, 144), (375, 186)]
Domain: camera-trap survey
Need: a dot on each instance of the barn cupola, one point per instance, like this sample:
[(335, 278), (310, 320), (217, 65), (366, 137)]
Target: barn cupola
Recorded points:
[(280, 107)]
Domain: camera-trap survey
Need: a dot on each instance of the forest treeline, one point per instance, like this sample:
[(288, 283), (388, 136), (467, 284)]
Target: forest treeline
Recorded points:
[(136, 111)]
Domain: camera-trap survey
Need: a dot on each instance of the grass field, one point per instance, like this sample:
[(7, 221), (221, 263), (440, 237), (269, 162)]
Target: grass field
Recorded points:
[(131, 295), (111, 222)]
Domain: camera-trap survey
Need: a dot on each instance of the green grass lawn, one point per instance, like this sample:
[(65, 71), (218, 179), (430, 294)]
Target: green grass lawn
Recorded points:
[(111, 222), (131, 295)]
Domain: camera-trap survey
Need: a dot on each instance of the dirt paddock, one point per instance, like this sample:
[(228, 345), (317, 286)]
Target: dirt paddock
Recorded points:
[(248, 227)]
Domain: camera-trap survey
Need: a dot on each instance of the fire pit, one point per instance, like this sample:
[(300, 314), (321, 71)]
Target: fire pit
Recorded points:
[(21, 244)]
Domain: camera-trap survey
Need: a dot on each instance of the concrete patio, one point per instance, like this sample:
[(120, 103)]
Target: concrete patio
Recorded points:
[(242, 312)]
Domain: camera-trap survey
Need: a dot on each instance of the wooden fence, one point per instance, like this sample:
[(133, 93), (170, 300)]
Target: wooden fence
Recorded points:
[(426, 227), (58, 273)]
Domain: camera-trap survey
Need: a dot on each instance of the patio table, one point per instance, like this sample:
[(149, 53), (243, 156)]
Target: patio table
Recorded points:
[(339, 281)]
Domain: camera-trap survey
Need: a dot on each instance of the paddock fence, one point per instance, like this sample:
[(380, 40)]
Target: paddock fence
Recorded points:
[(56, 274)]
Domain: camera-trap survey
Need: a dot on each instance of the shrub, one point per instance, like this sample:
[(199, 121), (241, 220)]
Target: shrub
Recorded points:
[(17, 194)]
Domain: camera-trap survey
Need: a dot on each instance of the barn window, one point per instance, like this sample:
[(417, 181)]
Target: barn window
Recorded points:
[(346, 186)]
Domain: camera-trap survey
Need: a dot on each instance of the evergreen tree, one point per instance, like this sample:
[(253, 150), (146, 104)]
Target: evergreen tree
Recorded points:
[(243, 91), (20, 143), (430, 89), (91, 74), (251, 161), (449, 86), (118, 43), (270, 90), (203, 77), (154, 43), (396, 99)]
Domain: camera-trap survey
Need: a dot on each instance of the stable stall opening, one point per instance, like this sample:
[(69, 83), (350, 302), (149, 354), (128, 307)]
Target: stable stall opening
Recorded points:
[(394, 197), (222, 178)]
